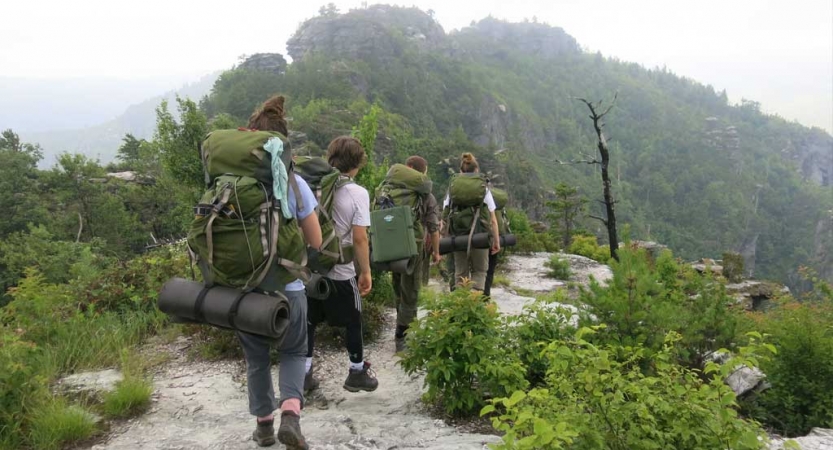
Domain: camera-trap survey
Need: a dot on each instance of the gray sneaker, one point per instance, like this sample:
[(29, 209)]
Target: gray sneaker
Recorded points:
[(289, 432), (310, 383), (362, 379), (264, 434)]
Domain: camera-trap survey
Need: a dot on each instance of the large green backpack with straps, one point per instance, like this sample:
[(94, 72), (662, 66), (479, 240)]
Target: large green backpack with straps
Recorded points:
[(239, 232), (395, 224), (324, 180), (466, 213)]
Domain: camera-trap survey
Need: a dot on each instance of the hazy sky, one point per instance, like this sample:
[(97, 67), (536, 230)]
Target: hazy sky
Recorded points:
[(777, 52)]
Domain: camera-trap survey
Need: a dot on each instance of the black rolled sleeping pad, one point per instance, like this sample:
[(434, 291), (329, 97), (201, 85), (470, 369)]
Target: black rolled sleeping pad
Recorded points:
[(319, 287), (478, 240), (225, 307), (404, 266)]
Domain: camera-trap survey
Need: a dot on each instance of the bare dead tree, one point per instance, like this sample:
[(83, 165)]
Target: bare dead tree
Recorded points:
[(610, 220), (80, 228)]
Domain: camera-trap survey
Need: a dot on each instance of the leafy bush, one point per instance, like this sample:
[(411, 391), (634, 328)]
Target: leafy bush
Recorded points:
[(801, 374), (643, 303), (529, 240), (597, 397), (559, 268), (131, 397), (538, 325), (21, 386), (58, 424), (587, 246), (460, 345)]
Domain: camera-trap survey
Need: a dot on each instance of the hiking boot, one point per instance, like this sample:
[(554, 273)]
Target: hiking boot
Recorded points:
[(289, 432), (264, 434), (362, 379), (310, 383), (401, 346)]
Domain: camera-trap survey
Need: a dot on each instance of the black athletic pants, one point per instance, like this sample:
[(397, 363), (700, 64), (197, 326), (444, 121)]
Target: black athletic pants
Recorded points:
[(343, 308)]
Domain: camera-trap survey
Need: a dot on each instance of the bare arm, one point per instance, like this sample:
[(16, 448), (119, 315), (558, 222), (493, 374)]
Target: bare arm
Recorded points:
[(312, 231), (495, 234), (361, 254)]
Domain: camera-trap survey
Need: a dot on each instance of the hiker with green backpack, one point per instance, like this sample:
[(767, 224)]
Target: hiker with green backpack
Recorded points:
[(469, 208), (409, 187), (349, 207), (250, 232)]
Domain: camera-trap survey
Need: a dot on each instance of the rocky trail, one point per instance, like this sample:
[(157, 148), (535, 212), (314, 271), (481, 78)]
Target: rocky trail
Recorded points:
[(203, 405)]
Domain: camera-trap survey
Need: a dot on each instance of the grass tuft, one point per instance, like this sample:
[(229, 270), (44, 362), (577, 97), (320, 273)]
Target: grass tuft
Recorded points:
[(58, 424), (131, 397)]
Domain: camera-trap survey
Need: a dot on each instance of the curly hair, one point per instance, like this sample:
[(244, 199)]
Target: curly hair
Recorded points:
[(468, 163)]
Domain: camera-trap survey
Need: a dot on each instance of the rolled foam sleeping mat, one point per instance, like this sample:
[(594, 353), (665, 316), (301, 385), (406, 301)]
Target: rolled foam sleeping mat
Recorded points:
[(319, 287), (405, 266), (191, 302), (478, 240)]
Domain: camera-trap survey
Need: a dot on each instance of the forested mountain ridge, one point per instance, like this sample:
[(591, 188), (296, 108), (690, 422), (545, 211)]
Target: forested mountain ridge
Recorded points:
[(691, 170)]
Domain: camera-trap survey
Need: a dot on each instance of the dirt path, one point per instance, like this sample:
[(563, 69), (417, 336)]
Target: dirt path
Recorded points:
[(201, 405)]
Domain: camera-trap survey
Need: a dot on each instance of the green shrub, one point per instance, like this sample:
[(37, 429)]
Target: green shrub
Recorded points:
[(461, 347), (597, 397), (21, 385), (801, 374), (538, 325), (642, 303), (587, 246), (559, 268), (58, 424), (131, 397)]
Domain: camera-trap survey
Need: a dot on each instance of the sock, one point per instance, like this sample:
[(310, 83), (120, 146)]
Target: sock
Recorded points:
[(308, 364), (400, 331), (292, 405), (357, 366), (268, 418)]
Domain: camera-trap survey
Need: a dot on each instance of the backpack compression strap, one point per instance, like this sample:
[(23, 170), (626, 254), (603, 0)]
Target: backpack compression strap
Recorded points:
[(325, 211)]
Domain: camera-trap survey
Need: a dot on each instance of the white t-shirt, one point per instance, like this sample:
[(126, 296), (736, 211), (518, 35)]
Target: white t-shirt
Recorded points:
[(351, 207), (489, 200), (309, 204)]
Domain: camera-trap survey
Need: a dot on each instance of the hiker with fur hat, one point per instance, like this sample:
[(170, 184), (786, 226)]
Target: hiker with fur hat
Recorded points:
[(469, 208)]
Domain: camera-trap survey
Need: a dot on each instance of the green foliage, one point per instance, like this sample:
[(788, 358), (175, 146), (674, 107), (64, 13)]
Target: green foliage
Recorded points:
[(588, 246), (529, 239), (801, 373), (538, 325), (19, 184), (371, 175), (733, 266), (212, 343), (131, 397), (57, 424), (559, 268), (460, 346), (179, 142), (566, 212), (597, 397), (642, 303), (21, 385), (129, 152)]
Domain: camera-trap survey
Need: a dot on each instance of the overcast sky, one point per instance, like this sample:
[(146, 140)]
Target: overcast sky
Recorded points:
[(777, 52)]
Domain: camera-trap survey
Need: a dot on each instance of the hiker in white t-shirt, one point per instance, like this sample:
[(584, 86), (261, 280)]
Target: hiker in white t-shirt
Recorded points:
[(351, 282)]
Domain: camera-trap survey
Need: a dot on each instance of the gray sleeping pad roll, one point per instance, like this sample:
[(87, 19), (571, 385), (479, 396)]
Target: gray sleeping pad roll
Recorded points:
[(319, 287), (478, 240), (403, 266), (224, 307)]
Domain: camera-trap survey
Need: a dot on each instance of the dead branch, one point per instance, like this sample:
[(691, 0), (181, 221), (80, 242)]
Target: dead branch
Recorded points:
[(80, 228)]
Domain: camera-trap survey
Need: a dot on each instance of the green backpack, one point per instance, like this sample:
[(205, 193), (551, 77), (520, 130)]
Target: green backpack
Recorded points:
[(325, 180), (501, 199), (239, 232), (395, 224), (466, 213)]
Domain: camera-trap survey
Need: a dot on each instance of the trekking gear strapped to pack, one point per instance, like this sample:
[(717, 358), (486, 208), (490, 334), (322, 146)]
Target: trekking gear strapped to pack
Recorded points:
[(501, 198), (466, 214), (325, 180), (450, 244), (396, 230), (224, 307), (243, 229)]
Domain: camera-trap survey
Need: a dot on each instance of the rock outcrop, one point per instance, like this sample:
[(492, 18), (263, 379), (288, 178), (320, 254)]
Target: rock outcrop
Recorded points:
[(267, 62), (818, 439)]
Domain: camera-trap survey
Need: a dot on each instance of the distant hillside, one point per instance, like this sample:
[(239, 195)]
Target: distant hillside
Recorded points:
[(691, 170), (101, 141)]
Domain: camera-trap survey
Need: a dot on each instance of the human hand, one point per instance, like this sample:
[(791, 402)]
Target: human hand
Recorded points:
[(496, 248), (436, 257), (365, 284)]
